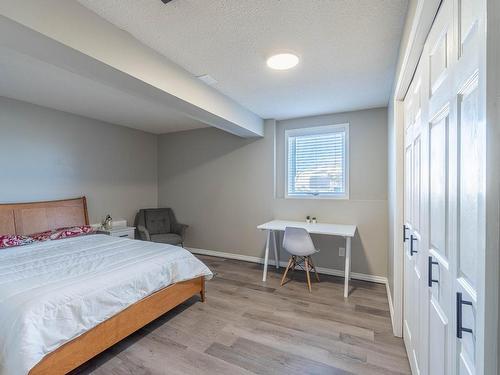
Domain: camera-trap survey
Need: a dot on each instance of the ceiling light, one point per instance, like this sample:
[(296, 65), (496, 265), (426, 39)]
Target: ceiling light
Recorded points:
[(282, 61)]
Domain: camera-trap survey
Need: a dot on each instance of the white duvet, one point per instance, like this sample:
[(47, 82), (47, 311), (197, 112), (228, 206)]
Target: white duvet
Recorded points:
[(52, 292)]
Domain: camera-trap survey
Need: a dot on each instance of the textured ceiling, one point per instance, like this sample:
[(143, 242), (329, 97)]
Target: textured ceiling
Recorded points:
[(348, 48)]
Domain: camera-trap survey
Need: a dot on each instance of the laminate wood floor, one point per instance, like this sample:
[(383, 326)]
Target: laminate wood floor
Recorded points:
[(250, 327)]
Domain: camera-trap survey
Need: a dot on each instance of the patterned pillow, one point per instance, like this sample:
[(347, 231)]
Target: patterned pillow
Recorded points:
[(10, 240), (42, 236), (71, 232)]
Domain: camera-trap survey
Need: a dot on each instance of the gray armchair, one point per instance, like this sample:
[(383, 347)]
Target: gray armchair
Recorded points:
[(159, 225)]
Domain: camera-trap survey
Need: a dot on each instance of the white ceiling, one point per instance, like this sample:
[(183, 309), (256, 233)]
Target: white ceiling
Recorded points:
[(28, 79), (348, 48)]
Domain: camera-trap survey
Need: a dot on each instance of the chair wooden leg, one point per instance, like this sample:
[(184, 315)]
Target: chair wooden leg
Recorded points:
[(294, 264), (286, 270), (306, 262), (314, 268)]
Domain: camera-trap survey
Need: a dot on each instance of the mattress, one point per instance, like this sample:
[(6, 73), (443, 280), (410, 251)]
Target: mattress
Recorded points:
[(54, 291)]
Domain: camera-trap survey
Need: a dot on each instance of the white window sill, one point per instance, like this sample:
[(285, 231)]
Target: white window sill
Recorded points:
[(327, 197)]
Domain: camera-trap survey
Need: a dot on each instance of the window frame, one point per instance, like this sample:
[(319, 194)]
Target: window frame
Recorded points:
[(313, 131)]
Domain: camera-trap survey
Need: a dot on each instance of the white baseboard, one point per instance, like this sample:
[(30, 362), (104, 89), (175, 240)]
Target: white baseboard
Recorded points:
[(323, 270), (391, 306)]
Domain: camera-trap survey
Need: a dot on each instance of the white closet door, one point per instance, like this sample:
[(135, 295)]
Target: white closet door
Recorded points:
[(470, 192), (445, 196), (440, 170), (413, 318)]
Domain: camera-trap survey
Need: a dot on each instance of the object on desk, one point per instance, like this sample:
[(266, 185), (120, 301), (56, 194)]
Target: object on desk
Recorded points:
[(314, 220), (298, 243), (308, 219), (107, 223)]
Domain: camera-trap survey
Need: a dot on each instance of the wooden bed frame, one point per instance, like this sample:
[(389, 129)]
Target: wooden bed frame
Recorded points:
[(27, 218), (35, 217)]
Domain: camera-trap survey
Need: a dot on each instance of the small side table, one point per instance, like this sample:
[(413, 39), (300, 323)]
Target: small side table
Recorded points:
[(123, 232)]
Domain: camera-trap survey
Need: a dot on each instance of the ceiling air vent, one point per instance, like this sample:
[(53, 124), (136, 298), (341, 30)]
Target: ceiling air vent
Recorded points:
[(207, 79)]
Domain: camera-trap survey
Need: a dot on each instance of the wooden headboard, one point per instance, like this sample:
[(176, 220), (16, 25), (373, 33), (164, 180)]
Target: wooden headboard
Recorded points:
[(34, 217)]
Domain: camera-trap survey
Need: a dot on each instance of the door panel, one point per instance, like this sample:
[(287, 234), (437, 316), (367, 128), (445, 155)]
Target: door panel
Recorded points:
[(438, 183), (408, 187), (439, 62), (465, 367), (467, 24), (417, 144), (471, 184), (439, 44), (438, 339)]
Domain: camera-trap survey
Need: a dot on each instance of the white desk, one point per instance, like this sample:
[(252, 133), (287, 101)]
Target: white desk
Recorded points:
[(346, 231)]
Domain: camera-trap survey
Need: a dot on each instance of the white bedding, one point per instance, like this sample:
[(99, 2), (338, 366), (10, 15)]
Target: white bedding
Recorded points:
[(52, 292)]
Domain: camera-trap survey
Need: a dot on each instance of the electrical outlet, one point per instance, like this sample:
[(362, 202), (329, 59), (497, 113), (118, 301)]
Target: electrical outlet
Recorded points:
[(341, 251)]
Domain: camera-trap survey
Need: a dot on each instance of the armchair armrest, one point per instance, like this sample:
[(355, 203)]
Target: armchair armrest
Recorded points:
[(179, 229), (143, 233)]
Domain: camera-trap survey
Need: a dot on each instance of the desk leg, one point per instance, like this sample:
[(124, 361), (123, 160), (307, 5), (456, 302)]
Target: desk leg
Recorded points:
[(266, 256), (347, 266), (276, 252)]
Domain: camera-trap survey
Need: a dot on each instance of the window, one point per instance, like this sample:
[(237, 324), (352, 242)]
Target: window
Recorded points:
[(317, 162)]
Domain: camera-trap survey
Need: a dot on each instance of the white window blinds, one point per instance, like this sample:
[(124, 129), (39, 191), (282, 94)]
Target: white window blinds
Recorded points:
[(317, 162)]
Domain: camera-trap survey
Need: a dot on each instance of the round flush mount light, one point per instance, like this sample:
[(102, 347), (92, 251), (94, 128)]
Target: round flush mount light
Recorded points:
[(282, 61)]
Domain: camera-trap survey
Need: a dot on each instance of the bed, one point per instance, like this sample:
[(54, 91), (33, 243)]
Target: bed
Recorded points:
[(63, 302)]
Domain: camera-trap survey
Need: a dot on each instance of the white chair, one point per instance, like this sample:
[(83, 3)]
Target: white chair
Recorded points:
[(299, 244)]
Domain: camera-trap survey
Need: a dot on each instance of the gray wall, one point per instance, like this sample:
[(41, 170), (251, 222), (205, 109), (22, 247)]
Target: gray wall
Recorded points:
[(224, 186), (47, 154), (220, 184)]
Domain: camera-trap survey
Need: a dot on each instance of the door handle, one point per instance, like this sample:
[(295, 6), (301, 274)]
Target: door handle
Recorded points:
[(412, 240), (431, 280), (460, 303), (405, 228)]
